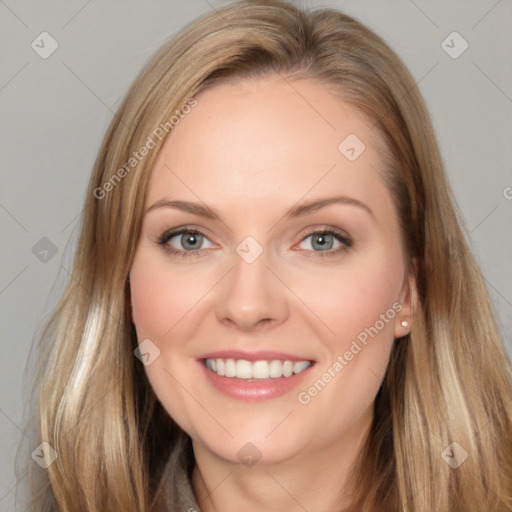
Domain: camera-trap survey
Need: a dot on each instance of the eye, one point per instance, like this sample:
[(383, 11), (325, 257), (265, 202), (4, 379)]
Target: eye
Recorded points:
[(190, 242), (323, 241), (184, 242)]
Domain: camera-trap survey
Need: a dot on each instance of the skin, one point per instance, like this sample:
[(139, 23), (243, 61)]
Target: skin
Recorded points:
[(250, 150)]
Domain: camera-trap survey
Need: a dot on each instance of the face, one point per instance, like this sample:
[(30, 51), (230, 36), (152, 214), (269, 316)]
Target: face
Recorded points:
[(273, 306)]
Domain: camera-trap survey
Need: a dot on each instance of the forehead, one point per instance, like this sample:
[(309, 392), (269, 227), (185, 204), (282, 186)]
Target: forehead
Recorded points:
[(253, 142)]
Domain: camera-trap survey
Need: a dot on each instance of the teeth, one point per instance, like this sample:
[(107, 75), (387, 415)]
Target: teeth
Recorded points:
[(230, 368), (275, 369), (300, 366), (243, 369), (260, 370)]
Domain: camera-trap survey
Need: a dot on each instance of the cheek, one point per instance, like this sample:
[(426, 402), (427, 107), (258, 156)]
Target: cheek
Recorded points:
[(161, 296), (358, 307), (153, 305), (163, 299), (356, 298)]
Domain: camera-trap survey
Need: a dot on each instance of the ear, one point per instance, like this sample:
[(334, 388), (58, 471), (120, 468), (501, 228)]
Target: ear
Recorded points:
[(406, 300)]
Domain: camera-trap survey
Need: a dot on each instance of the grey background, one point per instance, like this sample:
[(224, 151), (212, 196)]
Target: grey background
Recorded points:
[(55, 112)]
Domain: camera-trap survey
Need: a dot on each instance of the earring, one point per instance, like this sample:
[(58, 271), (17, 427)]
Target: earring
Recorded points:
[(404, 323)]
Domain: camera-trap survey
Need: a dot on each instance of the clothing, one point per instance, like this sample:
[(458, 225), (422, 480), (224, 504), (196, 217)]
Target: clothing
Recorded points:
[(174, 492)]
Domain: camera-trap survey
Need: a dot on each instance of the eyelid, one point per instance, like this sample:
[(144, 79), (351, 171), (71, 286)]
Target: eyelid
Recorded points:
[(326, 229), (172, 232)]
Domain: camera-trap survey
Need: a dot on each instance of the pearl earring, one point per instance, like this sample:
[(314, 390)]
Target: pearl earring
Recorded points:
[(404, 323)]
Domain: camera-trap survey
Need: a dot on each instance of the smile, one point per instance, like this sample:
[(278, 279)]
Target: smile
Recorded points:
[(257, 370)]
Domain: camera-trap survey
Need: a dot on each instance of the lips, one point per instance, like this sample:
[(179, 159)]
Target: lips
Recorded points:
[(254, 376), (253, 356)]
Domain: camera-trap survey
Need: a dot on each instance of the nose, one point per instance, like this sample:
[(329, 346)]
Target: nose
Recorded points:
[(251, 297)]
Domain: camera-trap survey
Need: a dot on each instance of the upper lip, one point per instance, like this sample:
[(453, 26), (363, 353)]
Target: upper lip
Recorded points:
[(260, 355)]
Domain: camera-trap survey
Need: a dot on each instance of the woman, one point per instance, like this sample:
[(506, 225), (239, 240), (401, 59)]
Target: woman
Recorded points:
[(272, 304)]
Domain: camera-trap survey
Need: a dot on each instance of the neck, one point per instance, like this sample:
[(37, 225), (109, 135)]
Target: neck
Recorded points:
[(223, 485)]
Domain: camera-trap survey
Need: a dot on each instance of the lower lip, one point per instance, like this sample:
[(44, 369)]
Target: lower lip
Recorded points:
[(254, 390)]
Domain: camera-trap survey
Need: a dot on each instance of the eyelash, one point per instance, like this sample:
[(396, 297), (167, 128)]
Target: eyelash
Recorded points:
[(167, 235)]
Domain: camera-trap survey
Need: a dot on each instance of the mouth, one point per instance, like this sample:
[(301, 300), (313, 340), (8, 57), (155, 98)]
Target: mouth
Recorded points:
[(254, 376)]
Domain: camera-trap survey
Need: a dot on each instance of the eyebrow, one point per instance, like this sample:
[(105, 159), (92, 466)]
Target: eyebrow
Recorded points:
[(293, 212)]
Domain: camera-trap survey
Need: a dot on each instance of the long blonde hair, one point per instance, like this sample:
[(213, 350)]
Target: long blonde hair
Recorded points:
[(449, 381)]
